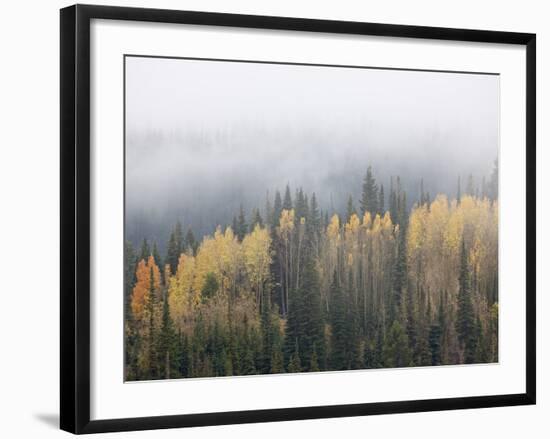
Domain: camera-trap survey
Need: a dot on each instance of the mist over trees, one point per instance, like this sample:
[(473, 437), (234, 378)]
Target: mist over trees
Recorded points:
[(391, 281)]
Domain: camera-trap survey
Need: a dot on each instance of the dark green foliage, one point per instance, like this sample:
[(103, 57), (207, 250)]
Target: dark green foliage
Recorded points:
[(339, 326), (168, 345), (436, 330), (369, 198), (465, 322), (399, 277), (190, 243), (144, 251), (295, 363), (396, 351), (211, 286), (175, 248), (242, 226), (287, 202), (359, 321), (130, 261), (256, 219), (301, 208), (277, 208)]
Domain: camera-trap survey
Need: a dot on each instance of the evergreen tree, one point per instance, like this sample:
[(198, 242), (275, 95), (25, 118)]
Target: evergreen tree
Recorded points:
[(369, 198), (399, 276), (295, 363), (458, 191), (465, 322), (339, 326), (168, 344), (287, 202), (314, 220), (156, 255), (191, 243), (277, 208), (436, 330), (242, 226), (396, 351), (130, 262), (145, 251), (301, 208), (175, 248), (393, 202), (256, 219), (311, 318), (210, 287)]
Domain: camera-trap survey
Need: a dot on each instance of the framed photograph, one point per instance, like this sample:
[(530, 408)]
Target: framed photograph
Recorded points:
[(268, 218)]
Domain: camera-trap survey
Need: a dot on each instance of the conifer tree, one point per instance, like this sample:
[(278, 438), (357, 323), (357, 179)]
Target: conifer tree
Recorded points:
[(145, 251), (339, 326), (191, 243), (175, 248), (295, 363), (465, 323), (168, 344), (242, 226), (156, 255), (287, 202), (396, 351), (369, 198), (277, 208)]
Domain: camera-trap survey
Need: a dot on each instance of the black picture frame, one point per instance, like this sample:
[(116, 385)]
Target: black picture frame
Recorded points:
[(75, 217)]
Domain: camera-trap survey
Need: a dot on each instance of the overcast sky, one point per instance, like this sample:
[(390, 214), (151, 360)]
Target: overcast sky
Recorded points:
[(205, 136)]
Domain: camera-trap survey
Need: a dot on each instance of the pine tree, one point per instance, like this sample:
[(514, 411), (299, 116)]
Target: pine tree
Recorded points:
[(256, 220), (168, 344), (369, 198), (295, 363), (396, 351), (277, 208), (156, 255), (130, 262), (287, 203), (458, 191), (301, 207), (314, 220), (311, 318), (242, 226), (339, 326), (399, 276), (145, 251), (175, 248), (436, 330), (465, 322), (190, 243)]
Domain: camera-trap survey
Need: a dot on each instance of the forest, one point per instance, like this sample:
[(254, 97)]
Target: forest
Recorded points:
[(290, 287)]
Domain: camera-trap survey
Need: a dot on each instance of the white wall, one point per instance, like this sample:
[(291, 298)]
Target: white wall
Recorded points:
[(29, 235)]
